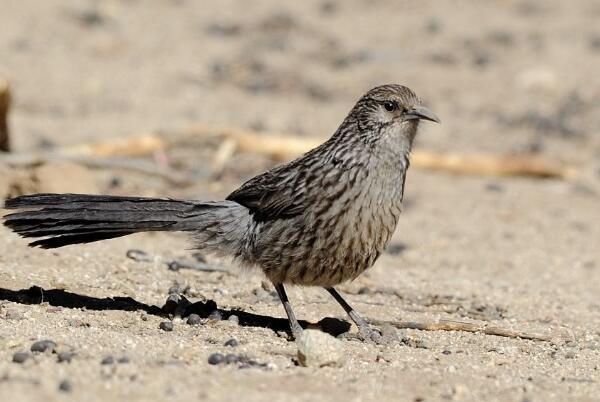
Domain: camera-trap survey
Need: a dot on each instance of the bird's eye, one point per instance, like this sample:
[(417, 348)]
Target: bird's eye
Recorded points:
[(390, 106)]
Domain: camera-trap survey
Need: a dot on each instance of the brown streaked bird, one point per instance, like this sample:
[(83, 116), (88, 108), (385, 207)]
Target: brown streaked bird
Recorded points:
[(319, 220)]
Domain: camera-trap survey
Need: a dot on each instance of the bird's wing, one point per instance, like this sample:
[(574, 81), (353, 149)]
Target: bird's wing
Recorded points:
[(272, 195)]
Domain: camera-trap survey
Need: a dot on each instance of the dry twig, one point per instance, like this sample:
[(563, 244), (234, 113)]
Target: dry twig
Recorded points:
[(286, 147), (136, 165), (449, 325)]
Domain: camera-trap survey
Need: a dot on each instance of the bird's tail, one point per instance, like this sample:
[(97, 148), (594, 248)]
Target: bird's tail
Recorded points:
[(64, 219)]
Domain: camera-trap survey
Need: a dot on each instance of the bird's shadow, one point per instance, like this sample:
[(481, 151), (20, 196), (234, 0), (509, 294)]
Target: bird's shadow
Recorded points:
[(62, 298)]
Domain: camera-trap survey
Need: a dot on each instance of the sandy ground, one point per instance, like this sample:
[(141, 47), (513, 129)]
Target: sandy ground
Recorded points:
[(522, 254)]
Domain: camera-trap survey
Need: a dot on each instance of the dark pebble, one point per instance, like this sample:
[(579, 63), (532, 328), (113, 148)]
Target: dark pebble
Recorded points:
[(21, 357), (231, 358), (194, 319), (446, 352), (216, 358), (595, 43), (216, 315), (123, 360), (65, 386), (65, 357), (42, 346), (115, 182), (481, 59), (433, 26), (232, 342), (108, 360), (138, 255), (166, 326), (174, 266), (494, 187)]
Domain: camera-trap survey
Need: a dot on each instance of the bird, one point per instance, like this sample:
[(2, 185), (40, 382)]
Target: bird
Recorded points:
[(319, 220)]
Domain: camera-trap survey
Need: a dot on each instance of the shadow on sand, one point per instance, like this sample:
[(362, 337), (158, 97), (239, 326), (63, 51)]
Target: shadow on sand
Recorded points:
[(62, 298)]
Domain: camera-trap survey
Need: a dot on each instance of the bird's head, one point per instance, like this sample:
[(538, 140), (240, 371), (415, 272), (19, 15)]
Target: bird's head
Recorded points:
[(390, 112)]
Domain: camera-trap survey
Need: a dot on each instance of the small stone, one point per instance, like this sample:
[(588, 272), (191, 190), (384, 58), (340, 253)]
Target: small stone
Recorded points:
[(166, 326), (174, 266), (234, 318), (138, 255), (194, 319), (108, 360), (232, 342), (414, 343), (446, 352), (65, 386), (13, 314), (231, 358), (216, 316), (42, 346), (318, 349), (21, 357), (123, 360), (494, 187), (216, 358), (65, 357)]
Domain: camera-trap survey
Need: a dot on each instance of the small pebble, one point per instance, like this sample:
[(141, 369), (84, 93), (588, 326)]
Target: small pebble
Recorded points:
[(42, 346), (12, 314), (174, 266), (446, 352), (123, 360), (65, 386), (65, 357), (138, 255), (318, 349), (231, 358), (166, 326), (234, 318), (194, 319), (216, 316), (108, 360), (21, 357), (216, 358), (232, 342)]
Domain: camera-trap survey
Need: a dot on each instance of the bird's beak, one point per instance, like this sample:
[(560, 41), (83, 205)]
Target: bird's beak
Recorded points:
[(421, 112)]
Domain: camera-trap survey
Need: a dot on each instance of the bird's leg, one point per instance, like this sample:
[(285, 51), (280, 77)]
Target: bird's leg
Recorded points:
[(294, 324), (364, 329)]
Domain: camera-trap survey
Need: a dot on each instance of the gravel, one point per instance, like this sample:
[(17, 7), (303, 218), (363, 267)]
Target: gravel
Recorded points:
[(216, 358), (232, 342), (194, 319), (166, 326), (43, 346), (21, 357)]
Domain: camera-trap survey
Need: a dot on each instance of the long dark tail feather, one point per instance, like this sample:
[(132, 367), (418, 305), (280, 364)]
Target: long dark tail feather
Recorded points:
[(65, 219)]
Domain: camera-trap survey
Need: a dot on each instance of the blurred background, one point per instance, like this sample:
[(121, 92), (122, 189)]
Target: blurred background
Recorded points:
[(506, 76)]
